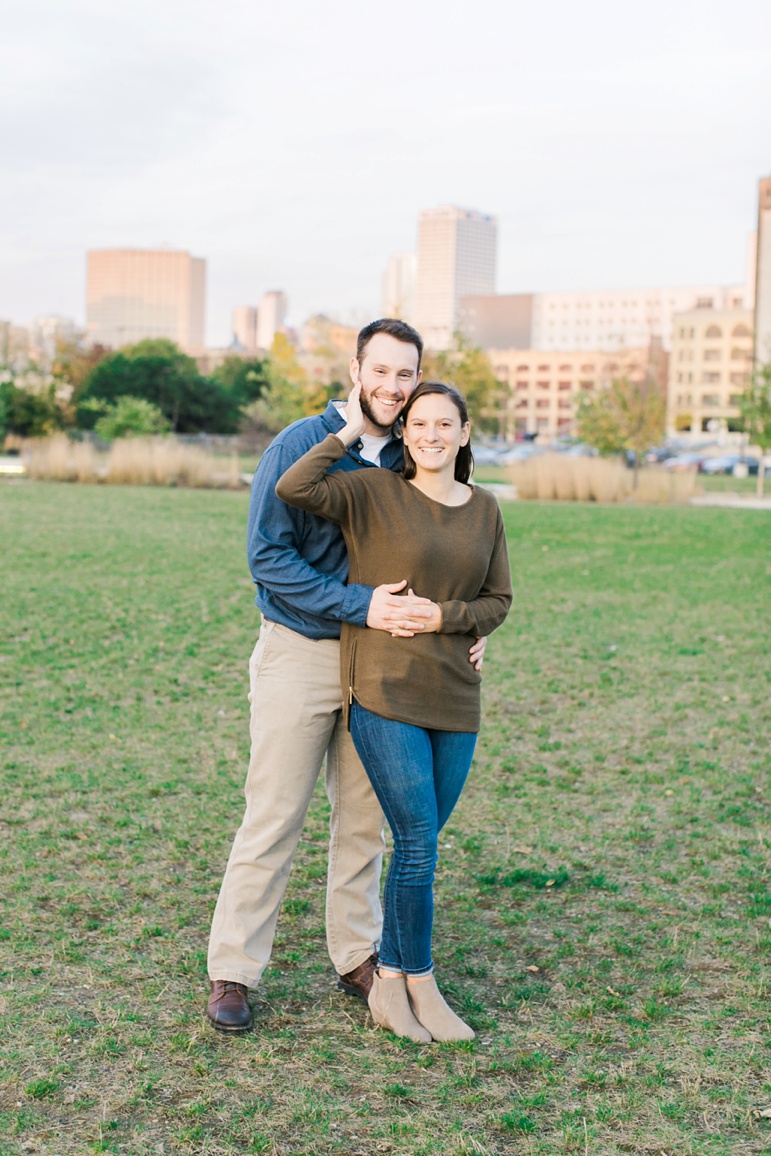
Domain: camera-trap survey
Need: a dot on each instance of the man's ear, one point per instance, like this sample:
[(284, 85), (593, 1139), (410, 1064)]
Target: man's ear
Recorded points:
[(419, 378), (353, 369)]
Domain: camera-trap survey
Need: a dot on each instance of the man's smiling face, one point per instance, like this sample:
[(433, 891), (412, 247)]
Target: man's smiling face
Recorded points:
[(388, 373)]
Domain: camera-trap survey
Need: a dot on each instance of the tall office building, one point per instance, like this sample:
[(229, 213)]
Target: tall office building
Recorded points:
[(271, 315), (245, 327), (456, 258), (137, 293), (399, 283), (763, 275)]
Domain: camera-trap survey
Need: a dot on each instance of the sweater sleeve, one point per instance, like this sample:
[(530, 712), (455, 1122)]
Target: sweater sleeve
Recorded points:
[(273, 545), (485, 613), (307, 485)]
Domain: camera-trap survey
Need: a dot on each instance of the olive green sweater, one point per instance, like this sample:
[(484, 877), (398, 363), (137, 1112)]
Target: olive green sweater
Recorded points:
[(454, 555)]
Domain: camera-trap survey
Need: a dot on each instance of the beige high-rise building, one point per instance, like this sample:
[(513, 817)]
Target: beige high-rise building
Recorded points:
[(245, 327), (271, 315), (137, 293), (456, 258), (763, 275), (709, 367)]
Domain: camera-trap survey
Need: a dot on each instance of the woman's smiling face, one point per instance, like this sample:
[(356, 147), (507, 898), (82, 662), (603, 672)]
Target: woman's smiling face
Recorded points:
[(434, 432)]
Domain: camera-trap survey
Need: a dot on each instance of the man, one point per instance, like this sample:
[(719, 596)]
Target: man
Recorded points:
[(300, 566)]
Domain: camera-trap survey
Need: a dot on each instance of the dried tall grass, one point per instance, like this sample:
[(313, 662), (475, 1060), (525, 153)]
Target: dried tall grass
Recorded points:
[(59, 459), (558, 477), (129, 462)]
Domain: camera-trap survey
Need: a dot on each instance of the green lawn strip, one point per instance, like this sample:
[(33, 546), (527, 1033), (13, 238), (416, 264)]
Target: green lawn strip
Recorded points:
[(603, 891)]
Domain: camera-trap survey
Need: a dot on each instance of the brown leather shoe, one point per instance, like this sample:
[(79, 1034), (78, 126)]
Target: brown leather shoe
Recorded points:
[(359, 981), (228, 1009)]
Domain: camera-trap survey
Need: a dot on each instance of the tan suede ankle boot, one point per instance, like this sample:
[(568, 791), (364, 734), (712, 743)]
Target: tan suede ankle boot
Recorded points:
[(428, 1004), (391, 1009)]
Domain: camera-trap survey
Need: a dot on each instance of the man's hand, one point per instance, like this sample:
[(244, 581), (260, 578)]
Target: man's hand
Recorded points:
[(477, 653), (402, 615)]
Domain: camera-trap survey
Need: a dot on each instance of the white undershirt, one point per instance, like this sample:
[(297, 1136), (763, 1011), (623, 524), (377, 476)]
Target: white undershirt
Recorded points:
[(372, 447)]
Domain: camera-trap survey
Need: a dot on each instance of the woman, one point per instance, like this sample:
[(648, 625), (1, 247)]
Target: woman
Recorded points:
[(413, 701)]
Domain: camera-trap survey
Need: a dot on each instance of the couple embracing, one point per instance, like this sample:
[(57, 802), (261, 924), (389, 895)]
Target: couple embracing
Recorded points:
[(380, 572)]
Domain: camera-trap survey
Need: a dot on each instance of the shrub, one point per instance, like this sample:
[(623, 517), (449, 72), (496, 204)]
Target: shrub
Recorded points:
[(131, 416)]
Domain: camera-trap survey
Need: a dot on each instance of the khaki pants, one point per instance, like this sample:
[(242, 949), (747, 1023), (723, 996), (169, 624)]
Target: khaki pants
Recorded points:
[(296, 718)]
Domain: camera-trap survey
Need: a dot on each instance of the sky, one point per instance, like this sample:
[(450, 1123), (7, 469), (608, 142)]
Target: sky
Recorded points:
[(294, 145)]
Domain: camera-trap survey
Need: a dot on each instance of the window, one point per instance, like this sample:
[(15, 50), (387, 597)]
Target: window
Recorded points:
[(704, 302), (564, 403), (542, 384), (714, 331), (741, 331), (502, 372), (586, 385), (741, 354), (737, 378), (566, 369), (710, 378), (523, 369), (521, 385), (712, 355), (587, 369), (522, 403), (563, 385), (542, 403), (543, 368), (734, 399), (710, 399)]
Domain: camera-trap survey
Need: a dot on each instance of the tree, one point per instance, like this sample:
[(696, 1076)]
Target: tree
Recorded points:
[(29, 414), (243, 379), (130, 417), (625, 417), (755, 409), (287, 396), (70, 368), (160, 373), (469, 369)]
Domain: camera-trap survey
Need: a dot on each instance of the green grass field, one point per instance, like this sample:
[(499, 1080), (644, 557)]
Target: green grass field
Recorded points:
[(604, 903)]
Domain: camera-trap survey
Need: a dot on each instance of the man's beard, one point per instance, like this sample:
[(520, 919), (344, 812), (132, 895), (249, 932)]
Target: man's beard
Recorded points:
[(369, 413)]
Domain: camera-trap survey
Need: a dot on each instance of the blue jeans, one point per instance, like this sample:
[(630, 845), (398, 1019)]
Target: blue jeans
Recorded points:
[(418, 776)]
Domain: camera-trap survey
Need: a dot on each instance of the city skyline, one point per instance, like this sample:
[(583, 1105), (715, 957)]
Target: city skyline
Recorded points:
[(615, 148)]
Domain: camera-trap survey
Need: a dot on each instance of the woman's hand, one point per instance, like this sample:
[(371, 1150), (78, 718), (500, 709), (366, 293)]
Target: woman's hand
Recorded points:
[(431, 615), (354, 419)]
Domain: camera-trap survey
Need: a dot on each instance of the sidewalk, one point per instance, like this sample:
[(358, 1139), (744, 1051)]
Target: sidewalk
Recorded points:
[(733, 501)]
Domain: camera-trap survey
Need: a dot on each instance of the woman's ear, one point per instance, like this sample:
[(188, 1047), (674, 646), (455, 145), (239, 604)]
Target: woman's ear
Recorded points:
[(465, 434)]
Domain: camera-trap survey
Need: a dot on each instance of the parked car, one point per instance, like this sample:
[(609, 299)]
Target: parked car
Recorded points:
[(686, 461), (520, 453), (738, 464), (486, 455)]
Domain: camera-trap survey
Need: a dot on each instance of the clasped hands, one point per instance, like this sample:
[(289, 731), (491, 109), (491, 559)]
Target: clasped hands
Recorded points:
[(405, 615)]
